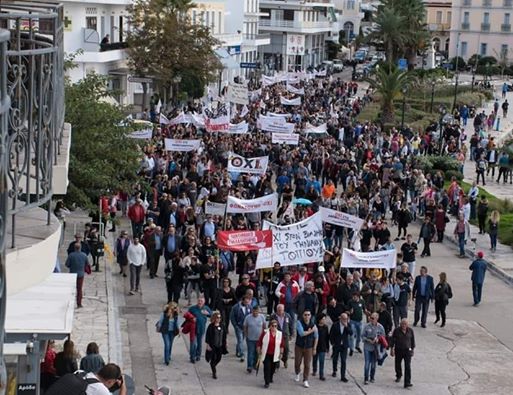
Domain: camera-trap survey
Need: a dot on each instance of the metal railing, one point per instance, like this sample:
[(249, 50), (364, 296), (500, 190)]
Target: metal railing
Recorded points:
[(505, 27), (507, 3), (465, 26), (485, 27), (35, 84), (294, 24), (4, 111)]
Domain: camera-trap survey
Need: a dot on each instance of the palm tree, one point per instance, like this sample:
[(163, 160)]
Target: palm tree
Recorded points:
[(389, 32), (389, 83)]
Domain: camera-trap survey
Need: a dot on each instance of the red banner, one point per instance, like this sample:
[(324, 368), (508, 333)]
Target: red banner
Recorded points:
[(245, 240)]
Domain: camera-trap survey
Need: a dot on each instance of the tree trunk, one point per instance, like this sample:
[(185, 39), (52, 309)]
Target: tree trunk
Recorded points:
[(387, 113)]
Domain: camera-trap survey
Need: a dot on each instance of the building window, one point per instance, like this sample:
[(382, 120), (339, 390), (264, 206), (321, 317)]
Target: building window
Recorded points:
[(439, 17), (466, 17), (487, 3), (504, 51), (506, 18), (464, 49), (350, 4), (486, 17), (483, 49), (91, 22), (449, 16), (288, 15)]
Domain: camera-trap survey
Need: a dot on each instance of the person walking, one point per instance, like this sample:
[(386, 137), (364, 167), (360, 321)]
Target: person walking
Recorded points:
[(136, 256), (423, 293), (409, 248), (237, 316), (214, 340), (305, 347), (370, 335), (323, 346), (93, 361), (167, 325), (356, 308), (120, 252), (493, 229), (270, 347), (306, 300), (254, 325), (286, 327), (462, 233), (201, 313), (443, 293), (427, 232), (137, 214), (340, 337), (77, 262), (402, 346), (478, 268), (482, 213)]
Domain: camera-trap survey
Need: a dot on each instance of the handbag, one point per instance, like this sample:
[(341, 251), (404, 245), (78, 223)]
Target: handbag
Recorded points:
[(87, 268), (208, 355)]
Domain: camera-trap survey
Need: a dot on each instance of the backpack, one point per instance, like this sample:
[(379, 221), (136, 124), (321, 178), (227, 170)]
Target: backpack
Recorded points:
[(71, 384)]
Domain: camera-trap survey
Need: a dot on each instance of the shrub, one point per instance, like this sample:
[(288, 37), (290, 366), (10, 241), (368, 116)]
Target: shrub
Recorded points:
[(453, 173), (433, 163)]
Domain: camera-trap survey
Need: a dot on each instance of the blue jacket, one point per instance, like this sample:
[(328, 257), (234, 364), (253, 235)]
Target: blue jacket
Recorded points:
[(478, 268), (201, 319), (238, 314), (430, 287), (76, 263)]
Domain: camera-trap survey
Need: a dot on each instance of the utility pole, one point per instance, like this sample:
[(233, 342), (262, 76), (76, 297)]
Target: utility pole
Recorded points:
[(457, 72)]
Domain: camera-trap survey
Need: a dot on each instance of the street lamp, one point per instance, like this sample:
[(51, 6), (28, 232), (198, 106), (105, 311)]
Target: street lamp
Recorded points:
[(457, 72), (443, 111), (404, 104), (432, 95)]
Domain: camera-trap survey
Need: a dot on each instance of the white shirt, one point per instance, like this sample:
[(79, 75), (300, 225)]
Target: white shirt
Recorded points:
[(136, 254), (96, 388)]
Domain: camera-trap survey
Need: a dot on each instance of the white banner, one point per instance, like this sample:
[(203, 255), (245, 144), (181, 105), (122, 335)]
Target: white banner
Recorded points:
[(215, 208), (239, 164), (163, 119), (316, 129), (264, 203), (285, 138), (182, 145), (290, 102), (266, 81), (275, 114), (181, 118), (236, 128), (297, 91), (141, 134), (341, 219), (275, 124), (321, 73), (238, 93), (295, 44), (293, 244), (369, 260), (218, 124)]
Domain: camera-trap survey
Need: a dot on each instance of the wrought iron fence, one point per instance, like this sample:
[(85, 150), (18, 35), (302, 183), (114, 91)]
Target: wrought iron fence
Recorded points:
[(35, 83)]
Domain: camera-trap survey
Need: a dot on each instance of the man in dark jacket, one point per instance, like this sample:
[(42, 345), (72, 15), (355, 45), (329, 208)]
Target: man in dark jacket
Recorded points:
[(306, 300), (427, 232), (339, 338), (478, 268), (423, 293), (402, 345)]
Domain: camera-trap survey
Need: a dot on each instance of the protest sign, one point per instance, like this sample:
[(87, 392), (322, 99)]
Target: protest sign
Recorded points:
[(181, 118), (316, 129), (275, 124), (340, 219), (238, 93), (369, 260), (239, 164), (182, 145), (215, 208), (290, 102), (246, 240), (293, 244), (218, 124), (141, 134), (163, 119), (237, 128), (266, 81), (285, 138), (295, 91), (264, 203)]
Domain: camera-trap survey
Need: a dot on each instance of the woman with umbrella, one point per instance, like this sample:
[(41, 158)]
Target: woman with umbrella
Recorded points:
[(270, 347)]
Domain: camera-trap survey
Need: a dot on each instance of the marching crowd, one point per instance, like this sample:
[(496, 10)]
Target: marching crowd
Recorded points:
[(320, 307)]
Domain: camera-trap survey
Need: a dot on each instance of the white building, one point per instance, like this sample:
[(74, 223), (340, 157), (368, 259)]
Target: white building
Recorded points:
[(349, 16), (299, 30)]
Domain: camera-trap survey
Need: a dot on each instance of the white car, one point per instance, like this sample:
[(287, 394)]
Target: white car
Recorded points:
[(338, 66)]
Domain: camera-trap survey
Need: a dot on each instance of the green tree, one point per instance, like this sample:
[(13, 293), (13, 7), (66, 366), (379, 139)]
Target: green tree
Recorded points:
[(102, 157), (389, 83), (164, 43)]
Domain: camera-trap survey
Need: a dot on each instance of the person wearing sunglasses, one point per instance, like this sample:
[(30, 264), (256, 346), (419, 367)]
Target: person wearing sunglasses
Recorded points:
[(306, 345), (270, 348)]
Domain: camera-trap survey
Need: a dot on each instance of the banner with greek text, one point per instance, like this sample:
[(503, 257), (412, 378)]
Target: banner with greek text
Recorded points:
[(237, 128), (181, 118), (264, 203), (245, 240), (266, 81), (369, 260), (182, 145), (316, 129), (239, 164), (215, 208), (141, 134), (238, 93), (285, 138), (163, 119), (218, 124), (296, 91), (340, 219), (290, 102), (275, 124), (293, 244)]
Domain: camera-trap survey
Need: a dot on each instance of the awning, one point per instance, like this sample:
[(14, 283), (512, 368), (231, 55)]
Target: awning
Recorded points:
[(226, 59), (46, 309)]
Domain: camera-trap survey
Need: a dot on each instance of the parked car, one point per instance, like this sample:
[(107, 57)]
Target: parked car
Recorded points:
[(338, 66)]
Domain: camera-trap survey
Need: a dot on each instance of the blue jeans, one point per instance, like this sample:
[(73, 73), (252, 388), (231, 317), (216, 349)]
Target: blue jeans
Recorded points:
[(370, 364), (252, 354), (239, 348), (356, 327), (168, 345), (476, 292), (319, 358), (195, 351), (493, 241), (461, 243)]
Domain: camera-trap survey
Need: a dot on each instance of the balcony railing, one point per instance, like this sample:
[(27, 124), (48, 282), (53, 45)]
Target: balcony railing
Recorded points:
[(294, 24), (485, 27), (505, 27), (465, 26), (487, 3), (35, 84), (467, 3), (507, 3)]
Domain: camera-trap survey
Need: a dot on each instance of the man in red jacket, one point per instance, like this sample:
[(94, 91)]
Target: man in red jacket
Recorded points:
[(302, 277), (137, 214), (287, 291)]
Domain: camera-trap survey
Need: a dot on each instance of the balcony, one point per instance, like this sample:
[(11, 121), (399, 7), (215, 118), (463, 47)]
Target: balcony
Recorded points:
[(94, 52), (467, 3), (507, 3), (465, 26), (229, 39), (295, 26), (487, 3), (303, 4), (485, 27), (439, 27), (505, 27), (257, 40)]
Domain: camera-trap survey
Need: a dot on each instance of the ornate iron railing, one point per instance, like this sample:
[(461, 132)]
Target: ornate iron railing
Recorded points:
[(4, 111), (35, 82)]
